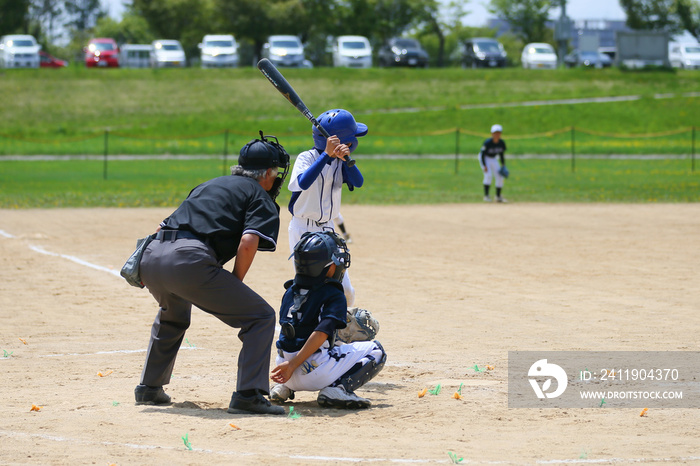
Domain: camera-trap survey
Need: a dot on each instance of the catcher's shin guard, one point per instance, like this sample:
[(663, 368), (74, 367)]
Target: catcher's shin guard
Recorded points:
[(361, 374)]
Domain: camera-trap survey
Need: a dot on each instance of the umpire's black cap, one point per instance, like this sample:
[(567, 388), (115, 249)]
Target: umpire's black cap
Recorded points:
[(262, 153)]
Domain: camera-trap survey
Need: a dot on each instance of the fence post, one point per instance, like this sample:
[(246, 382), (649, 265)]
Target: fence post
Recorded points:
[(106, 144), (692, 153), (573, 150), (457, 150), (225, 151)]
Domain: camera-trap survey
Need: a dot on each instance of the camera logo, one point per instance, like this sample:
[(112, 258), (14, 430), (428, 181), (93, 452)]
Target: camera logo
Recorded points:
[(541, 369)]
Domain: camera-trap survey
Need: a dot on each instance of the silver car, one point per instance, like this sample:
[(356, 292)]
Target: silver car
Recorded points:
[(219, 51), (167, 53), (285, 51)]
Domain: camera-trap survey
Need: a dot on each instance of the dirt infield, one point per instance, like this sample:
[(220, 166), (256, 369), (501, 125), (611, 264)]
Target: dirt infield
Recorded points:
[(453, 286)]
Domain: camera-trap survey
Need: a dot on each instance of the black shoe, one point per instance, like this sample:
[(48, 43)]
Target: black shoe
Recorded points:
[(256, 404), (146, 395)]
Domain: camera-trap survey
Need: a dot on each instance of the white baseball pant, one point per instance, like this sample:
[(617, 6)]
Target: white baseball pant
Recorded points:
[(325, 367), (492, 166)]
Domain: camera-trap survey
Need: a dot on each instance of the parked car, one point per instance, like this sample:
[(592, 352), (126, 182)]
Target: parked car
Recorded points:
[(49, 61), (101, 52), (19, 51), (684, 55), (352, 52), (592, 59), (483, 52), (135, 55), (539, 55), (166, 53), (285, 51), (403, 52), (218, 51), (609, 51)]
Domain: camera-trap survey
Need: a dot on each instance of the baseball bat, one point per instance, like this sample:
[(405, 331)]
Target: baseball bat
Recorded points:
[(273, 75)]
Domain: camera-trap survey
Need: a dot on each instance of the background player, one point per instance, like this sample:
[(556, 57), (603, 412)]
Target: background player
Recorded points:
[(340, 223), (492, 148), (313, 308), (318, 177)]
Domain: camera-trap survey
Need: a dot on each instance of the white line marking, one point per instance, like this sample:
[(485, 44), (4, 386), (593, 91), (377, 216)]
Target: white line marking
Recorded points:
[(327, 459), (77, 260), (6, 234), (111, 352)]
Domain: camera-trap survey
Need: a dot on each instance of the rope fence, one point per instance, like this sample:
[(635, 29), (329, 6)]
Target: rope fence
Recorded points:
[(564, 142)]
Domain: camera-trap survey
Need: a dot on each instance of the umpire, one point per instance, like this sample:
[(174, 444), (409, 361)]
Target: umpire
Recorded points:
[(226, 217)]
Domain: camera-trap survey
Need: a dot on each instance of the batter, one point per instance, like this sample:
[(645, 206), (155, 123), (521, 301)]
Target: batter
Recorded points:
[(318, 177)]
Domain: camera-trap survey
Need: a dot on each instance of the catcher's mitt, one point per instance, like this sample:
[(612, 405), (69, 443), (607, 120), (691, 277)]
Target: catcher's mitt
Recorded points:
[(361, 327), (504, 171)]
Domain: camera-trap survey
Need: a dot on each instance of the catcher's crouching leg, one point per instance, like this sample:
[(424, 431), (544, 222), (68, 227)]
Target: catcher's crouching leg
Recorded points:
[(364, 370)]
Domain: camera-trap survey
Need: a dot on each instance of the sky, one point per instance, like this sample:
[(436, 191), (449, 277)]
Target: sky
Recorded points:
[(478, 16)]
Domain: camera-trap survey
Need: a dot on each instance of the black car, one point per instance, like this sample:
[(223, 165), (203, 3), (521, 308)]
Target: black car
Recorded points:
[(588, 59), (483, 52), (403, 52)]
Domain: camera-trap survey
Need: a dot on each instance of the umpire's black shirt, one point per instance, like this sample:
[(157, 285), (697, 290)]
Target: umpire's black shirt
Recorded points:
[(223, 209)]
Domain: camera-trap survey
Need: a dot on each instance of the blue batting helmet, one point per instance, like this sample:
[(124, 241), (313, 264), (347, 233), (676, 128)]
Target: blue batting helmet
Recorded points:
[(339, 123)]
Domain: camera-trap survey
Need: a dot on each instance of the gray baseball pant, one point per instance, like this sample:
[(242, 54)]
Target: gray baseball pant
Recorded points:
[(184, 272)]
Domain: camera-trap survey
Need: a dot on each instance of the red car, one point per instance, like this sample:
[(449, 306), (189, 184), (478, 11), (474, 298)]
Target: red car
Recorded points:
[(49, 61), (102, 53)]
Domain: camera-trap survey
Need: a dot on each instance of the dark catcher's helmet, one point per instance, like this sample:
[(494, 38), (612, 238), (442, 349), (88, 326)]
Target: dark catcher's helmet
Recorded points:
[(314, 254), (264, 153)]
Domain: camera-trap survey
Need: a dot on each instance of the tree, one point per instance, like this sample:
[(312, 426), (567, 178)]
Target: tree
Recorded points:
[(689, 15), (527, 17), (255, 20), (46, 13), (83, 14), (432, 23), (184, 20), (14, 16), (655, 15), (132, 29)]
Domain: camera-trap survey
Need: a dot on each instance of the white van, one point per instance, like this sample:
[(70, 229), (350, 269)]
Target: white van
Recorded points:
[(219, 51), (135, 55), (19, 51), (167, 53), (539, 55), (684, 55), (352, 51)]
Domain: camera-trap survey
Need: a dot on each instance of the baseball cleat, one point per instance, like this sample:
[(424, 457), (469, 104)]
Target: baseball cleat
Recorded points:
[(501, 199), (347, 238), (281, 393), (338, 397), (146, 395), (256, 404), (487, 199)]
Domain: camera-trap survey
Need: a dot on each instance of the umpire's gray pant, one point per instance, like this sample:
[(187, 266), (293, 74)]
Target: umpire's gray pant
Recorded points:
[(184, 272)]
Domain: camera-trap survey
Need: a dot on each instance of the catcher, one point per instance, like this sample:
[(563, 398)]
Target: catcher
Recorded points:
[(313, 309)]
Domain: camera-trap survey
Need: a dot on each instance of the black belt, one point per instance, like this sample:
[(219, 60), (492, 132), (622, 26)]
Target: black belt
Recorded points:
[(172, 235), (314, 222)]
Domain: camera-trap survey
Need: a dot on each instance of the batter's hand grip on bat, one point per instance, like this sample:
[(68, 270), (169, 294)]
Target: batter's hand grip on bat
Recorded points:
[(349, 160)]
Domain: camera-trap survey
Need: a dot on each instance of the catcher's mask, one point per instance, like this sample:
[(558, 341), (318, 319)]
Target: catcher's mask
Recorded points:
[(317, 251), (339, 123), (264, 153)]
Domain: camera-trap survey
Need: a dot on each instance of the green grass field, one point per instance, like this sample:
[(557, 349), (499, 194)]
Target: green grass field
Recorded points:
[(418, 112), (81, 183), (186, 111)]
